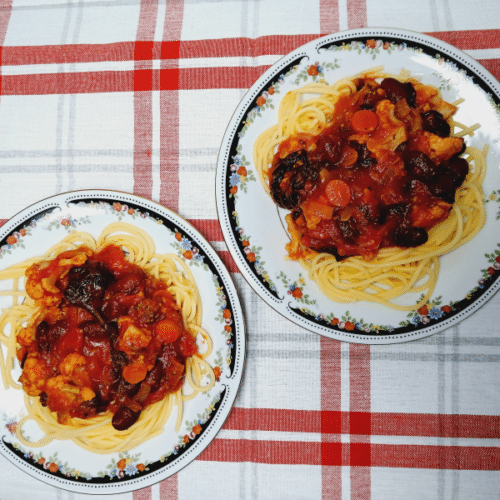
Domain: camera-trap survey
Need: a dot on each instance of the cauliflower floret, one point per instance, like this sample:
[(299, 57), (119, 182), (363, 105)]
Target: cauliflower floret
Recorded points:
[(35, 371), (70, 362), (86, 393), (438, 148), (131, 337), (390, 133)]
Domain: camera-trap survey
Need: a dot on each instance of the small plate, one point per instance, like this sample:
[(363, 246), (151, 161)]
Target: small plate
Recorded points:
[(253, 225), (65, 465)]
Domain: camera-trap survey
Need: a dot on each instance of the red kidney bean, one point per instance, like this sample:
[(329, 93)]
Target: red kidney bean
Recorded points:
[(458, 168), (396, 90), (420, 166), (124, 418), (411, 236), (434, 122), (443, 188)]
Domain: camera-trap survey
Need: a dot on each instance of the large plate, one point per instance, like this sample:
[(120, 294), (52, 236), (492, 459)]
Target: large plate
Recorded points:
[(67, 466), (253, 225)]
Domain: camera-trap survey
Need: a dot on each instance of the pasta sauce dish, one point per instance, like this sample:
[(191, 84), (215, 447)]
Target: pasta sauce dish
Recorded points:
[(107, 336), (381, 174), (379, 183)]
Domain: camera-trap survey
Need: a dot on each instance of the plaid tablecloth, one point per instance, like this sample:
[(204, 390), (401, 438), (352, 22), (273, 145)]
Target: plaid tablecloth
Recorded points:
[(135, 96)]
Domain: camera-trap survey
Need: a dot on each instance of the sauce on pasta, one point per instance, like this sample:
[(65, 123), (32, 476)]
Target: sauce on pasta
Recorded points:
[(381, 174), (378, 181), (108, 336)]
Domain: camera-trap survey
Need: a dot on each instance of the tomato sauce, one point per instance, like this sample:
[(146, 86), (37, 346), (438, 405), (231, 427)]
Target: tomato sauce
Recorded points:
[(382, 173), (108, 336)]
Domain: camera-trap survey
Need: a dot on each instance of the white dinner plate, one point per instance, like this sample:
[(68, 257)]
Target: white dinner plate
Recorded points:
[(253, 225), (65, 465)]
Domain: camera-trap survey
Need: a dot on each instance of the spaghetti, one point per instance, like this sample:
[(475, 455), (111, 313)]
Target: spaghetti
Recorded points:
[(343, 153), (97, 433)]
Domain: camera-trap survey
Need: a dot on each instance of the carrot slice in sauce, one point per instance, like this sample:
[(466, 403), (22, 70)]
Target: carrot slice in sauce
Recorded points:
[(134, 373), (364, 121), (338, 193)]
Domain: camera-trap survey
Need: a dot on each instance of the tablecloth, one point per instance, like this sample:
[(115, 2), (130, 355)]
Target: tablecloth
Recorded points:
[(135, 96)]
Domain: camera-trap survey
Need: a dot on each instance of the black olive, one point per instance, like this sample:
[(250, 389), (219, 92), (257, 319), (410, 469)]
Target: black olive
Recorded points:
[(443, 188), (420, 166), (124, 418), (434, 122), (410, 236)]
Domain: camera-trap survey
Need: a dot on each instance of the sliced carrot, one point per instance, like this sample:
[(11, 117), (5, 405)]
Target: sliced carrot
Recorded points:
[(364, 121), (134, 373), (338, 193), (349, 157), (167, 331)]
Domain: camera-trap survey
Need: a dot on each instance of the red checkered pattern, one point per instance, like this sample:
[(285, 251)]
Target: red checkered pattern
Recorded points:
[(135, 95)]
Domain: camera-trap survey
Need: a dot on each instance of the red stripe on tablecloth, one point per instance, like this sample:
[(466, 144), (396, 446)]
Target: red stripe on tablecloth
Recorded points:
[(123, 81), (219, 78), (356, 14), (436, 457), (144, 494), (124, 51), (264, 452), (228, 261), (209, 228), (169, 488), (360, 420), (167, 79), (169, 106), (381, 424), (223, 47), (492, 65), (469, 39), (330, 420), (6, 6), (329, 16), (143, 106), (365, 455)]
